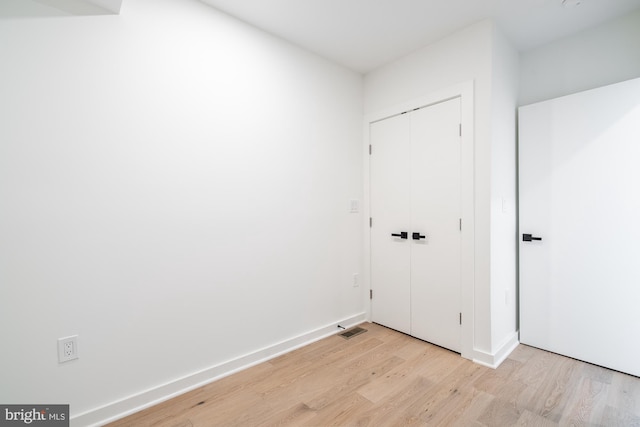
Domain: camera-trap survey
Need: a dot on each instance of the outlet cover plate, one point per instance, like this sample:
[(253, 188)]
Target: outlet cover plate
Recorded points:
[(67, 348)]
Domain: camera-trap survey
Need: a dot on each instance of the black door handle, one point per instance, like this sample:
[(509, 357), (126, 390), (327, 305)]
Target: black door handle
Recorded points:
[(529, 238), (402, 235), (417, 236)]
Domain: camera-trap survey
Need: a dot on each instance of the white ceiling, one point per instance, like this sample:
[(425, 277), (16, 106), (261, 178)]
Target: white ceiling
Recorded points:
[(364, 34)]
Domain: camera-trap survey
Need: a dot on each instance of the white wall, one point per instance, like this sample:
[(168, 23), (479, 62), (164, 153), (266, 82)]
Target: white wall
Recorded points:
[(609, 53), (472, 54), (175, 189), (176, 183), (504, 96)]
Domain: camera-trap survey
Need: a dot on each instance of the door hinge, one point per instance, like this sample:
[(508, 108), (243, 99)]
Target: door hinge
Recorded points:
[(370, 222), (370, 293), (461, 318), (370, 149), (460, 224), (460, 129)]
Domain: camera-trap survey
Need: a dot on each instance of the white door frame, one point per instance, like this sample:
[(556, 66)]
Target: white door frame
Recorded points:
[(465, 92)]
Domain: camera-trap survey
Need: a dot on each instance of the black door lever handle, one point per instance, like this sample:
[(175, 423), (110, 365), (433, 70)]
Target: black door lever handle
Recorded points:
[(529, 238), (402, 235), (418, 236)]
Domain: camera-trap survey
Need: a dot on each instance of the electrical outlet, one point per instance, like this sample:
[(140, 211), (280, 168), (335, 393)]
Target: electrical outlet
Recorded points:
[(356, 280), (354, 206), (67, 348)]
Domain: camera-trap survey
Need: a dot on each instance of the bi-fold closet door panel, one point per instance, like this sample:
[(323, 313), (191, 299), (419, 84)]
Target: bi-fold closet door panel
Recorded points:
[(435, 213), (415, 189), (391, 213)]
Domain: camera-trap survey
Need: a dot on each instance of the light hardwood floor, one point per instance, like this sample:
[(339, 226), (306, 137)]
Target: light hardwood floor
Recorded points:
[(385, 378)]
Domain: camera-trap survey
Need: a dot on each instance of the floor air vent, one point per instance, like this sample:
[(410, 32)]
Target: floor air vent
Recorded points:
[(350, 333)]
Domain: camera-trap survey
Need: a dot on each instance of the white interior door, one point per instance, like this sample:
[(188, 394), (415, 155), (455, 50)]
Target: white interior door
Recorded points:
[(415, 189), (435, 214), (391, 202), (579, 180)]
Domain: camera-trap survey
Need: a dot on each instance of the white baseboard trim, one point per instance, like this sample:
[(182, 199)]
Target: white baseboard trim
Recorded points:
[(137, 402), (494, 360)]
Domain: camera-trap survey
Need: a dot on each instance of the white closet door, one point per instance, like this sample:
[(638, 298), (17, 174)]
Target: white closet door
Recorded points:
[(579, 193), (435, 214), (390, 207), (415, 189)]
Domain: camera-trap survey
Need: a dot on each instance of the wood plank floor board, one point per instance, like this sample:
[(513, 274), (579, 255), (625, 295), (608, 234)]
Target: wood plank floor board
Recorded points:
[(619, 418), (432, 400), (345, 350), (398, 378), (523, 353), (535, 371), (385, 378), (453, 408), (507, 406), (501, 412), (306, 352), (501, 380), (385, 412), (552, 394), (301, 391), (389, 348), (414, 348), (438, 365), (340, 411), (587, 401), (351, 382), (469, 417), (294, 371), (298, 381), (627, 397), (298, 415), (528, 418)]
